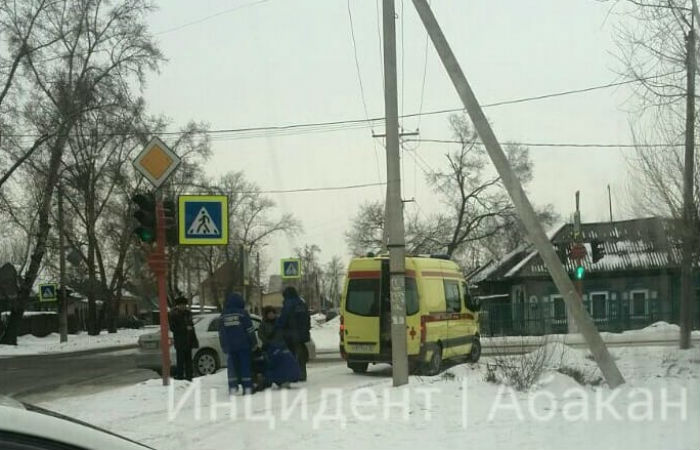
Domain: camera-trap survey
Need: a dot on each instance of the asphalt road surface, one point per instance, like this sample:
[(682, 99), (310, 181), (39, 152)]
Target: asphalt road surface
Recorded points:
[(39, 375), (39, 378)]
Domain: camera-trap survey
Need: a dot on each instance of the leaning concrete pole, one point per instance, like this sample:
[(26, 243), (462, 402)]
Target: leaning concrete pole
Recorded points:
[(520, 201)]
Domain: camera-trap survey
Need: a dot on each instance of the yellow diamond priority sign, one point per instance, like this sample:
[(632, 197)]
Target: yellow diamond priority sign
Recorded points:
[(156, 162)]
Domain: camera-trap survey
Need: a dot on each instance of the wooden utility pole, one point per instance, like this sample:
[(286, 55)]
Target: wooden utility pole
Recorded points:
[(394, 206), (63, 301), (520, 201), (686, 314)]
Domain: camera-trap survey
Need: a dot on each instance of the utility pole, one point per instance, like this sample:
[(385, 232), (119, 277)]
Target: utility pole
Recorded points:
[(394, 205), (385, 231), (517, 194), (63, 302), (610, 202), (686, 314), (576, 243)]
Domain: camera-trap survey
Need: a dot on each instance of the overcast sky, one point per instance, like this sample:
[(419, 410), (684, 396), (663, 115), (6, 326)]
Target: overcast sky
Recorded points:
[(281, 62)]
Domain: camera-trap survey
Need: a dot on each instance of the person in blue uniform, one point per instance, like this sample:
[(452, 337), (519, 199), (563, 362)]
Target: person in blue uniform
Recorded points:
[(238, 341)]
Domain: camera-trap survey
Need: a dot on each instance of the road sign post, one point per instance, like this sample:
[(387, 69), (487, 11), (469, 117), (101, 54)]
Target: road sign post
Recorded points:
[(159, 265), (156, 163)]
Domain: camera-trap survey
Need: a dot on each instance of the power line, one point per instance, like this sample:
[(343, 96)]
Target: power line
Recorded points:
[(362, 89), (212, 16), (357, 62), (555, 144), (316, 189), (318, 127)]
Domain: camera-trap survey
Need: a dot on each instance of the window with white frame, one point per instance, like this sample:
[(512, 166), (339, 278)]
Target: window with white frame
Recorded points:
[(599, 305), (639, 302)]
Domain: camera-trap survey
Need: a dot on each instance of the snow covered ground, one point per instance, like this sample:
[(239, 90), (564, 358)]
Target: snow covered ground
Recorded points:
[(658, 408), (32, 345), (659, 331), (326, 335)]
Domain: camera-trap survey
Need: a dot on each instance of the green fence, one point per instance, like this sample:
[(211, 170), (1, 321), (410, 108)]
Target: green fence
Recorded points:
[(613, 315)]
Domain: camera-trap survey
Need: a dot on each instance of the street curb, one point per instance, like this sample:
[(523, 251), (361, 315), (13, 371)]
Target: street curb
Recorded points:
[(91, 351)]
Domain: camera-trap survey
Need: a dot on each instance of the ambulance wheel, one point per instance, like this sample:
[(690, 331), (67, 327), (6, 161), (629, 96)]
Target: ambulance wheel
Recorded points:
[(358, 367), (475, 352), (206, 362), (433, 367)]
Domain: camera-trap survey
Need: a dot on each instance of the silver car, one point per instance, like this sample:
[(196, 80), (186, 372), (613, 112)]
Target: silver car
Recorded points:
[(208, 358)]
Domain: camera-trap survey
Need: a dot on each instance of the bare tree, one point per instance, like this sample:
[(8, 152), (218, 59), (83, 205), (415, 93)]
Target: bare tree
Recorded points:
[(423, 235), (333, 273), (658, 48), (101, 51)]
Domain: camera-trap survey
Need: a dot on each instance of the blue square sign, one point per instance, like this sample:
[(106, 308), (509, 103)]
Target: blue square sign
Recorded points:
[(48, 292), (291, 268), (203, 219)]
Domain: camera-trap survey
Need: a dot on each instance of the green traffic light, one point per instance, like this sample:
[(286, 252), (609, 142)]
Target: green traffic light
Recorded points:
[(580, 272), (145, 234)]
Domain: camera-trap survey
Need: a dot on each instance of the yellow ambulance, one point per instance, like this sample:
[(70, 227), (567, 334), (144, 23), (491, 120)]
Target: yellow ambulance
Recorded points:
[(442, 319)]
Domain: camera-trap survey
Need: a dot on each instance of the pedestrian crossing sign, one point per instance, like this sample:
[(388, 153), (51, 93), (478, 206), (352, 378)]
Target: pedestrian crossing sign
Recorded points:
[(203, 219), (291, 268), (48, 292)]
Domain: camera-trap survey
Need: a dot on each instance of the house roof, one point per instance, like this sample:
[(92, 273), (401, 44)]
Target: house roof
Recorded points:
[(638, 244)]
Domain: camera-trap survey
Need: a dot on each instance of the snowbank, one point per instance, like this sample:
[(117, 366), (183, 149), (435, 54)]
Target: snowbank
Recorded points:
[(32, 345), (326, 336), (462, 407)]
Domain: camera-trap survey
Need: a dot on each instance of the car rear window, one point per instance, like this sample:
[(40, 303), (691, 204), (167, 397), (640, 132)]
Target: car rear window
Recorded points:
[(363, 297)]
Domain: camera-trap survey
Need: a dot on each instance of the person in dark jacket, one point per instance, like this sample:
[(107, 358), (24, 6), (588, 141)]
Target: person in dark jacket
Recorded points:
[(238, 341), (282, 367), (185, 338), (295, 323)]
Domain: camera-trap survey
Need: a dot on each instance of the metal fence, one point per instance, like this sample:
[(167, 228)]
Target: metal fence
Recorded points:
[(506, 319)]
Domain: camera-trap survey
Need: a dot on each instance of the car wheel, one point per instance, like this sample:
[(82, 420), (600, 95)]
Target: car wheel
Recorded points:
[(435, 364), (358, 367), (475, 352), (206, 362)]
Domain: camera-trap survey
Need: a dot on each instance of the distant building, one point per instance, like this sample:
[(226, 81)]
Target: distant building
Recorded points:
[(635, 283)]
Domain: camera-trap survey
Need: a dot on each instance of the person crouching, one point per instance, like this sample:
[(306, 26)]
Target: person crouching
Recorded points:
[(282, 366)]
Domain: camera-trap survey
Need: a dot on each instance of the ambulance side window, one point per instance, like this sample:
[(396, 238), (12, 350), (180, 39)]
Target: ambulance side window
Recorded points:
[(412, 305), (452, 297)]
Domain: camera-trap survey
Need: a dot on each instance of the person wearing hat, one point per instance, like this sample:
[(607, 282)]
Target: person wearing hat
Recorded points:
[(185, 338), (295, 323), (238, 341)]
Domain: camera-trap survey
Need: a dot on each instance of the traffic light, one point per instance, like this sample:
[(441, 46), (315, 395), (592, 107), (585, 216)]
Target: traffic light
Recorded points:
[(146, 216), (597, 251), (580, 272), (171, 232)]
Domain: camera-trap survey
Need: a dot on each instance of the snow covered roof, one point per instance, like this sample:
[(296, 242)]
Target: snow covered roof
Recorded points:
[(638, 244)]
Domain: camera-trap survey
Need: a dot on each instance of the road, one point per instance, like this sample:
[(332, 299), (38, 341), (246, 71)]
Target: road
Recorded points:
[(45, 377)]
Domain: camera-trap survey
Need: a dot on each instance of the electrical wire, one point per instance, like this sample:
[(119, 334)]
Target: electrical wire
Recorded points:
[(316, 189), (362, 89), (555, 144), (319, 127), (212, 16)]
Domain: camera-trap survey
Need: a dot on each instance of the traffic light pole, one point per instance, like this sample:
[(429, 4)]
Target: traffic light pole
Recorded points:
[(158, 262)]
